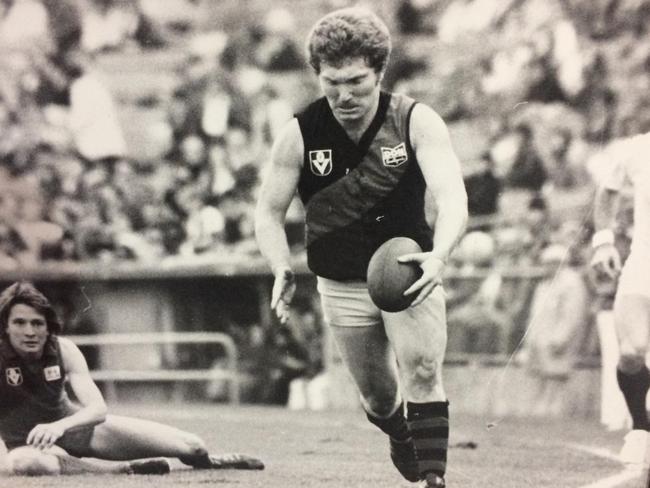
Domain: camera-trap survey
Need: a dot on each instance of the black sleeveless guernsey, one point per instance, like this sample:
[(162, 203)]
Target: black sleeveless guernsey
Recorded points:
[(31, 392), (357, 196)]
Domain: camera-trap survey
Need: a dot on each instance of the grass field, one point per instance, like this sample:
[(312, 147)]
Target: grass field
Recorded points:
[(339, 449)]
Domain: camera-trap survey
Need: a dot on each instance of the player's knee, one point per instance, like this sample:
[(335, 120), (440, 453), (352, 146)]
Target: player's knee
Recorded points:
[(424, 373), (27, 461), (631, 363), (380, 404), (426, 369)]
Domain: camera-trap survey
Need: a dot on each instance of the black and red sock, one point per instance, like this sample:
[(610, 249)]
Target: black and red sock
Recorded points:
[(395, 425), (428, 424)]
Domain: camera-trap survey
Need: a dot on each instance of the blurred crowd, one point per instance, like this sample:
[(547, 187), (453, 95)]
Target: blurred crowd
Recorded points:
[(531, 90), (72, 188)]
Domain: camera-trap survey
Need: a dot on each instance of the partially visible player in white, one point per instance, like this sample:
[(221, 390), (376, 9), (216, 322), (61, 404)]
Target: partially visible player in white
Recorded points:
[(627, 162)]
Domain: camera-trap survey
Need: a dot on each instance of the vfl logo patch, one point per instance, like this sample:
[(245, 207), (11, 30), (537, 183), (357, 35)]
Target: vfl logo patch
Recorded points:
[(394, 156), (14, 376), (52, 373), (321, 162)]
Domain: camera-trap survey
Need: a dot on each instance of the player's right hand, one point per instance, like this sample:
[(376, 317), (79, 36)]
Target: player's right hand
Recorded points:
[(284, 288), (44, 436), (606, 260)]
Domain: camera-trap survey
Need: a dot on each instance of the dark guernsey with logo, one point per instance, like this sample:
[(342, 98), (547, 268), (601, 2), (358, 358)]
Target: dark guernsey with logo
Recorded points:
[(357, 196), (31, 392)]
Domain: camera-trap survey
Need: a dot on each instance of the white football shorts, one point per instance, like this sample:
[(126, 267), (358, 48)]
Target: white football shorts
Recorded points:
[(348, 304)]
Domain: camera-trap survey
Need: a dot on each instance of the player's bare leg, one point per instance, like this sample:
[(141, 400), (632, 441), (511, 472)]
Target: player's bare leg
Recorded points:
[(419, 338), (122, 438), (632, 320), (369, 358), (30, 461)]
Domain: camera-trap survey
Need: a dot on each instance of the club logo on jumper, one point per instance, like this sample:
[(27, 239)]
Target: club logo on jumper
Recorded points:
[(321, 162), (52, 373), (394, 156), (14, 376)]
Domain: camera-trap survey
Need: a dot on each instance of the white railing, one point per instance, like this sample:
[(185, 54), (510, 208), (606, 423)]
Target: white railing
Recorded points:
[(111, 376)]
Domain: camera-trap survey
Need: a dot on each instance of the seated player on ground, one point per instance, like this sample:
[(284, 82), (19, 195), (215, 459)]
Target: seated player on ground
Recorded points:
[(45, 433)]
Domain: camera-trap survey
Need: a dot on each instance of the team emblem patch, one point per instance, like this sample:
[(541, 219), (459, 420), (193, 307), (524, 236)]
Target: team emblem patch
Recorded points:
[(394, 156), (14, 376), (52, 373), (321, 162)]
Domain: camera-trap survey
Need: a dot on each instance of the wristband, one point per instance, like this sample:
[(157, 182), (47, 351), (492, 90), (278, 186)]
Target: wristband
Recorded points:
[(602, 237)]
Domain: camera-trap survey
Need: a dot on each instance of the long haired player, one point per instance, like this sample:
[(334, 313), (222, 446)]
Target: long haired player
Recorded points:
[(47, 434)]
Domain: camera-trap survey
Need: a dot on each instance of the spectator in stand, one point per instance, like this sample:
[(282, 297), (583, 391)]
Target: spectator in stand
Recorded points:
[(527, 171), (238, 212), (10, 247), (11, 244), (563, 173), (597, 100), (414, 16), (483, 190), (520, 167), (558, 319), (204, 223), (310, 390), (277, 50), (270, 111), (539, 224), (543, 85), (108, 24), (478, 322), (286, 360), (96, 137), (36, 232)]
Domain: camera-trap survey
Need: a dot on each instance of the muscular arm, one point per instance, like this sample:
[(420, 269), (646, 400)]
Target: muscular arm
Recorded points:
[(93, 408), (279, 185), (442, 174)]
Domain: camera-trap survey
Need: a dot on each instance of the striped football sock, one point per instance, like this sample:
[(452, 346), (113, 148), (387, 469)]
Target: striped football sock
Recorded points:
[(395, 425), (429, 426)]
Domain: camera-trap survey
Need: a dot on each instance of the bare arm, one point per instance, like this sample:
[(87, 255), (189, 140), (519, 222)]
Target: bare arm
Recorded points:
[(606, 258), (279, 185), (442, 173), (93, 408), (605, 207)]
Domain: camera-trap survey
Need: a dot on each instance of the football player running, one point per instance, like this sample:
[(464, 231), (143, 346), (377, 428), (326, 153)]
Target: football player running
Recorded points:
[(361, 160)]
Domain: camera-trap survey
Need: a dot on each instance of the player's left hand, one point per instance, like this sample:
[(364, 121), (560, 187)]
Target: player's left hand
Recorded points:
[(432, 269), (44, 436), (284, 287)]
